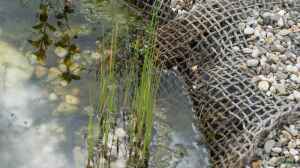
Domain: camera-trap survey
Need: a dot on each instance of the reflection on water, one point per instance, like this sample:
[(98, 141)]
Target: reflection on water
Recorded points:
[(176, 142), (24, 144), (43, 120)]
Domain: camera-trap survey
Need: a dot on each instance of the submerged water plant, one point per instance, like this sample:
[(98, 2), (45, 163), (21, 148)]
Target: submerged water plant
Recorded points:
[(43, 28), (57, 35)]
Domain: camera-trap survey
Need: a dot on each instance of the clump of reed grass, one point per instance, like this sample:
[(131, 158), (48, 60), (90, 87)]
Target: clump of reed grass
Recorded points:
[(135, 112), (143, 104)]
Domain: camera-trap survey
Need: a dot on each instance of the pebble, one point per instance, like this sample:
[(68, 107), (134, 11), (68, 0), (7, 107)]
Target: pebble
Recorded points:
[(54, 73), (256, 52), (291, 69), (295, 78), (281, 89), (264, 85), (40, 71), (70, 99), (75, 92), (284, 32), (63, 83), (278, 48), (280, 22), (52, 97), (120, 133), (61, 52), (252, 62), (65, 108), (292, 130), (249, 31), (298, 142), (247, 50), (296, 95), (274, 161), (269, 145), (291, 145), (294, 152), (277, 149)]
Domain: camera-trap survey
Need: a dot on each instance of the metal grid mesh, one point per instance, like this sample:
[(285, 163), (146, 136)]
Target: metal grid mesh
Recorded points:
[(234, 115)]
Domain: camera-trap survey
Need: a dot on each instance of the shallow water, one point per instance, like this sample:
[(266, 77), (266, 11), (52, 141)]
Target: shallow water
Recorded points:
[(174, 126), (35, 133)]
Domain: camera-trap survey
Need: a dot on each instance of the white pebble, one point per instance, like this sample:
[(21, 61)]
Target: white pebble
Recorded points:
[(61, 52), (249, 31), (291, 69), (294, 152), (247, 50), (277, 150), (53, 97), (280, 22), (120, 133), (263, 85)]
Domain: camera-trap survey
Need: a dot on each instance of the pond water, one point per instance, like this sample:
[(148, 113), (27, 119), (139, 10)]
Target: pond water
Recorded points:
[(43, 121)]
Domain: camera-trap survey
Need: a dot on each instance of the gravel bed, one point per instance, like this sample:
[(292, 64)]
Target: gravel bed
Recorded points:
[(281, 149), (274, 53)]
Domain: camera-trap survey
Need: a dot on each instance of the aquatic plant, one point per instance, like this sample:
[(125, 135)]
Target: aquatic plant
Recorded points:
[(45, 30), (144, 99), (141, 80)]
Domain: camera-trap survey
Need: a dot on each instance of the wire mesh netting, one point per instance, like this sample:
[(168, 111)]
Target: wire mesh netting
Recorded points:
[(204, 46)]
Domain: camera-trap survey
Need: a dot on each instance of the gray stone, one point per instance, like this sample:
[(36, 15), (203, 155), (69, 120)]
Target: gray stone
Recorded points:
[(274, 161), (274, 58), (295, 78), (281, 89), (277, 149), (269, 145), (292, 128), (247, 50), (252, 62), (296, 95), (278, 48), (291, 69), (257, 52), (281, 75), (284, 32), (281, 22)]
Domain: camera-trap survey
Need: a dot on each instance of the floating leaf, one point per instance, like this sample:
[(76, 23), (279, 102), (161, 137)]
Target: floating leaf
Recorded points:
[(35, 44), (47, 41), (75, 77), (51, 27), (60, 16), (67, 61), (40, 55), (43, 17), (74, 49), (68, 76), (38, 26)]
